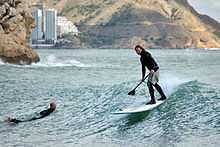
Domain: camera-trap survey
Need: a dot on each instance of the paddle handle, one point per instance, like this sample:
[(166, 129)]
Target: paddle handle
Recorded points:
[(141, 82)]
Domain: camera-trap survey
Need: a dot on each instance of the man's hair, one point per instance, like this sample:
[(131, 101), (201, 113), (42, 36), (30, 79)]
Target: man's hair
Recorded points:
[(139, 46)]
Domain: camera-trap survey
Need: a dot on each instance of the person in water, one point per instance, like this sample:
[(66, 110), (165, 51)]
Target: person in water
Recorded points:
[(148, 61), (42, 114)]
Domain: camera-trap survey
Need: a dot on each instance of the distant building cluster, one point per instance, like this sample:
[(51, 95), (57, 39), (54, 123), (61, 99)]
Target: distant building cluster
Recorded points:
[(66, 27), (50, 27)]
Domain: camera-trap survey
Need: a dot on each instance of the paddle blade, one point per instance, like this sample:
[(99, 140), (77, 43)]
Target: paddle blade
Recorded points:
[(131, 92)]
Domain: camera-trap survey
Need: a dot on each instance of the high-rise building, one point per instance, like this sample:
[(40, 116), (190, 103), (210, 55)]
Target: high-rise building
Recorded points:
[(37, 32), (40, 7), (51, 26)]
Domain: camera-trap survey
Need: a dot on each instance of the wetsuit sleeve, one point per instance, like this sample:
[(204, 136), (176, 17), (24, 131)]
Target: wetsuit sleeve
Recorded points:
[(46, 112), (42, 115), (42, 112)]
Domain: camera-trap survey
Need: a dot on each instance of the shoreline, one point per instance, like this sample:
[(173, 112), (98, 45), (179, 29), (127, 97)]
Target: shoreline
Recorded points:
[(45, 48)]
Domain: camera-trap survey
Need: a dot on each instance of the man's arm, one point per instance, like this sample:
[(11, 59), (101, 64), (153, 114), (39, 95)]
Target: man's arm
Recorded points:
[(42, 112)]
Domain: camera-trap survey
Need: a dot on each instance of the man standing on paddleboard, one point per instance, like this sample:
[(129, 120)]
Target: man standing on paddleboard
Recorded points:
[(149, 62)]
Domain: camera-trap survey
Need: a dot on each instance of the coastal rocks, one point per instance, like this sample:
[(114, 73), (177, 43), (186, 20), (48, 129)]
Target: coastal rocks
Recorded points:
[(2, 11), (12, 11), (16, 22)]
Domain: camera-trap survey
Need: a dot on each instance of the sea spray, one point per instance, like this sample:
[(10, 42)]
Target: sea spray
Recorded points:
[(53, 61), (1, 62), (170, 83)]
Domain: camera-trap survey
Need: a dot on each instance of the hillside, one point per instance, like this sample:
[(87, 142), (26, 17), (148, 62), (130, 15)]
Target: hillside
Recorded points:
[(123, 24)]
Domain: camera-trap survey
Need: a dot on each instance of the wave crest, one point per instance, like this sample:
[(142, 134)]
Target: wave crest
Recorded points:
[(51, 61)]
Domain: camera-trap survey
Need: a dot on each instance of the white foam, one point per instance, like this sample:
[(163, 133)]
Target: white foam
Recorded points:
[(51, 61), (117, 117), (213, 49), (1, 63), (170, 83)]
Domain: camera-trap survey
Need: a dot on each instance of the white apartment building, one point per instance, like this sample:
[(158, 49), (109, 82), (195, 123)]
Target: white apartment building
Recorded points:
[(66, 27)]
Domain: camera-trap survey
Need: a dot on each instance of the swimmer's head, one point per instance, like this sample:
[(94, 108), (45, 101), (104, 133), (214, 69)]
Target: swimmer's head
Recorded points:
[(53, 105)]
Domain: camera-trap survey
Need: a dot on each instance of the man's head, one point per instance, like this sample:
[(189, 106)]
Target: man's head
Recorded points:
[(53, 105), (138, 49)]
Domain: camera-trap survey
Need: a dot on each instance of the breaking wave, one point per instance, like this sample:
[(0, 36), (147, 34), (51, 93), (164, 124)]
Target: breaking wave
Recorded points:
[(52, 61)]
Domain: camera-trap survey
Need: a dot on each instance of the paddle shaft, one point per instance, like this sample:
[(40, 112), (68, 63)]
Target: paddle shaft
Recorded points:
[(140, 82)]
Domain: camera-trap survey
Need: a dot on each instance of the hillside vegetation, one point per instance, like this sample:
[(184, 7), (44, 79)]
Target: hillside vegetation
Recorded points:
[(125, 23)]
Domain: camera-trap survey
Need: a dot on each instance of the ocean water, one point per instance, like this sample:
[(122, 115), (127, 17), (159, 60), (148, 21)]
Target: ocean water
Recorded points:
[(87, 85)]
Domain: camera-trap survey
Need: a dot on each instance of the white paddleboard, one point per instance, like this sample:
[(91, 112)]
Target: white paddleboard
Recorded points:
[(142, 108)]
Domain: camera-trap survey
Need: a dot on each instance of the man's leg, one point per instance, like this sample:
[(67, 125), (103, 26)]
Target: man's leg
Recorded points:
[(151, 91), (13, 120), (8, 119), (159, 89)]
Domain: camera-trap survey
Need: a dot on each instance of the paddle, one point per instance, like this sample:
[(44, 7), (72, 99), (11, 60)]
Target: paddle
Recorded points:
[(133, 91)]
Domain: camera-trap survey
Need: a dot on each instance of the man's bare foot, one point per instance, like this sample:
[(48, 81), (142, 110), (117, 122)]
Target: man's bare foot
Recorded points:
[(8, 119)]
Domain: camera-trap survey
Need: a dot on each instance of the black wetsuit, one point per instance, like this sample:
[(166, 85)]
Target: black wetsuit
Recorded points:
[(150, 63), (42, 113)]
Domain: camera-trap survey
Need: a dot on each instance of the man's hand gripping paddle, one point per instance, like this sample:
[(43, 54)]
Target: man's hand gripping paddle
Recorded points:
[(133, 91)]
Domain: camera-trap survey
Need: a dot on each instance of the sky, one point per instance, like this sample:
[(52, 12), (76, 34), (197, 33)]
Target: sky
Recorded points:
[(208, 7)]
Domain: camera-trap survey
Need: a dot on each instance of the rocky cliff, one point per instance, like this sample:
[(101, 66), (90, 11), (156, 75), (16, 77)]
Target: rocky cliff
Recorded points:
[(125, 23), (16, 22)]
